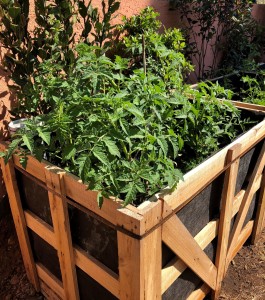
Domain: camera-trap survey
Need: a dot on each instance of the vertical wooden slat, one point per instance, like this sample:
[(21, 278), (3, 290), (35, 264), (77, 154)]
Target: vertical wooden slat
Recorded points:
[(226, 212), (140, 264), (260, 216), (246, 202), (20, 222), (60, 218)]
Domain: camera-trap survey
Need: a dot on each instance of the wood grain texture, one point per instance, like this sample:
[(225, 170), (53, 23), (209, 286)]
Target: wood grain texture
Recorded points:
[(226, 212), (20, 222), (200, 293), (60, 218), (250, 191), (243, 236), (260, 216), (51, 281), (176, 236), (176, 267), (96, 270), (140, 266), (40, 227)]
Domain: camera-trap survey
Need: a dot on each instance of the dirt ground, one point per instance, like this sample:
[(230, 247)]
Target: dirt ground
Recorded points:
[(245, 279), (14, 284)]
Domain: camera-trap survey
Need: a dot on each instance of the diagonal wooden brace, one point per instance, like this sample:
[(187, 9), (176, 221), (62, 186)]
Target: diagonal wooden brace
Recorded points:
[(177, 237), (243, 210)]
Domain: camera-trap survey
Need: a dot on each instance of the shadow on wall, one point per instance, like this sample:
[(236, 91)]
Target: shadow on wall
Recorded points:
[(6, 100)]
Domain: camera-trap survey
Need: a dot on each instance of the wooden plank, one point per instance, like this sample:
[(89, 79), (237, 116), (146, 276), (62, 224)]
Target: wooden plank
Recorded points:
[(76, 190), (20, 222), (200, 293), (47, 292), (99, 272), (50, 280), (260, 216), (243, 210), (226, 212), (34, 167), (249, 106), (244, 235), (176, 236), (41, 228), (199, 177), (140, 266), (176, 267), (60, 218)]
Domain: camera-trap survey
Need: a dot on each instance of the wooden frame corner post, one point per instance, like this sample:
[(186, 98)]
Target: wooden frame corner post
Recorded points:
[(140, 262), (20, 222)]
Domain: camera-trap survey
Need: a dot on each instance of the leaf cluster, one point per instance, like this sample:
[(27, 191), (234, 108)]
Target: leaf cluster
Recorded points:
[(128, 130), (53, 37)]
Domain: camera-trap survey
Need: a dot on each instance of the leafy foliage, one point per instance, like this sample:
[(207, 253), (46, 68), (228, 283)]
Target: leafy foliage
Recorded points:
[(127, 126), (53, 37), (214, 26), (124, 135)]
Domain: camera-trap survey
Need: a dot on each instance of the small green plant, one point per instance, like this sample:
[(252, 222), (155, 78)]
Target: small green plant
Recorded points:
[(160, 52), (253, 91)]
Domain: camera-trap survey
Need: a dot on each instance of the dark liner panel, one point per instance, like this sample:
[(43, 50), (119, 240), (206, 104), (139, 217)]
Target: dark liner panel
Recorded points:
[(34, 197), (188, 280), (95, 237), (246, 166), (197, 214), (89, 289), (45, 254)]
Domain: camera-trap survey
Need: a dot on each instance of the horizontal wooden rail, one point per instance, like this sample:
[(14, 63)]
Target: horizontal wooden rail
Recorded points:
[(84, 261), (200, 293), (99, 272), (41, 228), (54, 284)]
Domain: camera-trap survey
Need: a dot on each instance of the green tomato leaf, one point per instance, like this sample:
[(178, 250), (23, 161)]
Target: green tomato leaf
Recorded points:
[(69, 152), (99, 154), (113, 149), (28, 142)]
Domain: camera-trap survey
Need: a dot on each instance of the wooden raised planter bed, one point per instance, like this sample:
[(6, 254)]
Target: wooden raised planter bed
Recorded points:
[(177, 247)]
